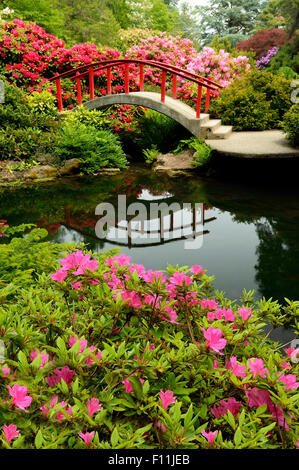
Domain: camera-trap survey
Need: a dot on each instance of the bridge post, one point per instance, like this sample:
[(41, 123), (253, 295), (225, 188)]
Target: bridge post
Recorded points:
[(127, 78), (108, 81), (198, 101), (59, 96), (79, 92), (163, 83), (207, 100), (91, 83), (141, 81), (174, 86)]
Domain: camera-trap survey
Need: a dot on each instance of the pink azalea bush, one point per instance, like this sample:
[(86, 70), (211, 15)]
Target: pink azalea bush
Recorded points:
[(136, 357), (220, 67), (30, 56)]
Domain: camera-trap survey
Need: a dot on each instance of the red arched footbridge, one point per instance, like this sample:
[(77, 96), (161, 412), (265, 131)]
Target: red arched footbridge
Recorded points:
[(196, 122)]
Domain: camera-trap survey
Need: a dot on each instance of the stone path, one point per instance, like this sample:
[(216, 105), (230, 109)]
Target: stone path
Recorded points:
[(255, 144)]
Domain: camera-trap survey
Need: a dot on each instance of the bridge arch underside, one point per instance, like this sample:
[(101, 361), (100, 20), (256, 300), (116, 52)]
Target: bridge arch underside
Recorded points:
[(180, 112)]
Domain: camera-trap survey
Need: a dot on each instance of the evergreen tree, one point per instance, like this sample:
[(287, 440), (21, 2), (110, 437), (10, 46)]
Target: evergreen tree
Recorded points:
[(232, 18), (280, 13), (37, 11)]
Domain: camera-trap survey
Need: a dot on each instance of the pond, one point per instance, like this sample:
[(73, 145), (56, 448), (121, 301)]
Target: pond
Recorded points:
[(249, 238)]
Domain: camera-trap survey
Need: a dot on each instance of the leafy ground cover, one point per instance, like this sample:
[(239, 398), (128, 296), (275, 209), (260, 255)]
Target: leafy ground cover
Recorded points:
[(102, 353)]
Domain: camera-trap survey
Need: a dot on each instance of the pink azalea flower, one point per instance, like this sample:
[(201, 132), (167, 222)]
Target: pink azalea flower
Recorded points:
[(59, 276), (44, 357), (258, 397), (179, 279), (228, 315), (93, 405), (237, 369), (277, 414), (210, 436), (121, 260), (154, 276), (292, 353), (65, 373), (60, 415), (45, 409), (90, 360), (6, 371), (167, 398), (128, 386), (83, 343), (290, 381), (257, 367), (214, 339), (11, 432), (197, 269), (87, 436), (159, 425), (77, 286), (19, 396), (231, 404), (245, 313), (210, 304)]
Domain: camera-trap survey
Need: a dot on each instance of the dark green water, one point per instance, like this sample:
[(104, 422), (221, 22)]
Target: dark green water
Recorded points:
[(251, 241)]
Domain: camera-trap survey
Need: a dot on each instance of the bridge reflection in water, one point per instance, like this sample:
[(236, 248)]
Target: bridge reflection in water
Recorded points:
[(166, 221)]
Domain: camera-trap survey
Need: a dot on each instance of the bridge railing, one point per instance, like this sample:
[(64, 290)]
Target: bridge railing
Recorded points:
[(90, 71)]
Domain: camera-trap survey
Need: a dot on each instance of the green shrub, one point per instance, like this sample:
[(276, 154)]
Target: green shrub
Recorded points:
[(150, 155), (287, 72), (258, 101), (94, 148), (157, 129), (202, 154), (15, 112), (291, 125), (287, 56), (95, 117), (25, 143)]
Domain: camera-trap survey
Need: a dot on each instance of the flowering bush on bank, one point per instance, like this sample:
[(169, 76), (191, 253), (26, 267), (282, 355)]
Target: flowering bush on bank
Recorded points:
[(30, 56), (220, 67), (104, 353)]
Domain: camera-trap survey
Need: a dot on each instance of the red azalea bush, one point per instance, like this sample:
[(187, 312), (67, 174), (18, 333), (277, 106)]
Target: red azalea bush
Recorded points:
[(264, 40), (112, 355)]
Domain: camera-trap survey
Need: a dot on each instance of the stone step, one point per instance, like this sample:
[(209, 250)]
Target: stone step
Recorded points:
[(222, 132), (204, 118), (208, 128)]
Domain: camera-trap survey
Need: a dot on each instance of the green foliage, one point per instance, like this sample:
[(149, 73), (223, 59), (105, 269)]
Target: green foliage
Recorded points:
[(287, 72), (290, 125), (28, 124), (132, 36), (15, 112), (94, 148), (24, 258), (202, 154), (150, 155), (94, 117), (258, 101), (287, 56), (39, 11), (102, 342), (159, 130), (25, 142), (280, 13)]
